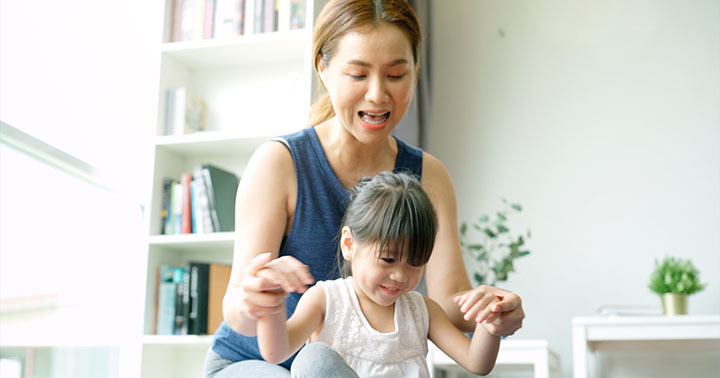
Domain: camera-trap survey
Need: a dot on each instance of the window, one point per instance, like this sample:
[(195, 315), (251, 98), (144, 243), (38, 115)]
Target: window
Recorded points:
[(71, 252)]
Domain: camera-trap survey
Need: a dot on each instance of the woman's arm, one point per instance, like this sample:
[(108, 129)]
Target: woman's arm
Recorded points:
[(278, 339), (265, 198), (445, 274), (477, 355)]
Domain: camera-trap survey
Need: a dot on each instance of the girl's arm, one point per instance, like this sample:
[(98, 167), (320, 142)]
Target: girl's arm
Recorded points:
[(445, 273), (279, 339), (477, 355)]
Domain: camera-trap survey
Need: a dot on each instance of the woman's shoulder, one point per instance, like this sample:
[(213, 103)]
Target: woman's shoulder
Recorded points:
[(435, 175)]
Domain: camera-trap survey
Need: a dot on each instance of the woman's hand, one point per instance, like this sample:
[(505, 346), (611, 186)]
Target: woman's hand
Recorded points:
[(499, 311), (288, 273), (260, 294)]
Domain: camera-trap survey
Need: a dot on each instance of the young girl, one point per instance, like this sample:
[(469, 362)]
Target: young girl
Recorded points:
[(371, 318)]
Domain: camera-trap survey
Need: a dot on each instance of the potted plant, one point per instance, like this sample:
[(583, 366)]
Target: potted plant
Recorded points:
[(674, 279), (495, 248)]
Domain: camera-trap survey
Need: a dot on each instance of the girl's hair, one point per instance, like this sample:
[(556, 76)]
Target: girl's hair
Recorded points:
[(340, 17), (392, 213)]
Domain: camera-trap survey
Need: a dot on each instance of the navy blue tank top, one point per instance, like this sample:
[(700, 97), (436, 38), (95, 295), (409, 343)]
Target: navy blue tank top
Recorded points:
[(313, 237)]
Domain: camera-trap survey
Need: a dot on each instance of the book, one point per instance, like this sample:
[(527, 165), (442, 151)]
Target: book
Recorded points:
[(209, 19), (182, 302), (169, 112), (229, 18), (221, 187), (189, 112), (197, 318), (297, 14), (186, 218), (176, 26), (258, 16), (194, 206), (165, 316), (187, 20), (176, 207), (270, 16), (165, 212), (202, 206), (219, 279), (198, 22)]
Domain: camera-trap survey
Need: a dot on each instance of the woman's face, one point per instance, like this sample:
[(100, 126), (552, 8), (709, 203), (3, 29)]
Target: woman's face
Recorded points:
[(371, 80)]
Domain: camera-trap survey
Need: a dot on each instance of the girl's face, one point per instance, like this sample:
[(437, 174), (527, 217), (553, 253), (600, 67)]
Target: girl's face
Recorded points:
[(370, 81), (381, 280)]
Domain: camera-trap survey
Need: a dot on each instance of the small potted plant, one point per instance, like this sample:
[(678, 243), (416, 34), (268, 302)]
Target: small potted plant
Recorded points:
[(674, 279), (495, 247)]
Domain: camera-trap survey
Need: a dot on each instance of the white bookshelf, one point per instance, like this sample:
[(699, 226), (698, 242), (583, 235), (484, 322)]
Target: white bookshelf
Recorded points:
[(256, 87)]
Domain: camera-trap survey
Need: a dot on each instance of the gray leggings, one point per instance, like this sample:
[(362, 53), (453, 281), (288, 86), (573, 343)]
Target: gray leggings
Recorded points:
[(314, 360)]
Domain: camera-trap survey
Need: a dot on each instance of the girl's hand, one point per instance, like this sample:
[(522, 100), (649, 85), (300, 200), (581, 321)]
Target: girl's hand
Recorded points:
[(499, 311), (288, 273), (478, 304)]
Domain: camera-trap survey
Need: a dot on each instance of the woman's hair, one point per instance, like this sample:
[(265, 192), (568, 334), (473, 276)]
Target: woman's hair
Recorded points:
[(340, 17), (392, 213)]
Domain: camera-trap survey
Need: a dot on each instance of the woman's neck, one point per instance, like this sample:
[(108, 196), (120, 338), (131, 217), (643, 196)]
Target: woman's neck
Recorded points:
[(351, 159)]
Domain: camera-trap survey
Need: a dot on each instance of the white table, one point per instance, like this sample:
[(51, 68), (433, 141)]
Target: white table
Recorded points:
[(512, 352), (591, 334)]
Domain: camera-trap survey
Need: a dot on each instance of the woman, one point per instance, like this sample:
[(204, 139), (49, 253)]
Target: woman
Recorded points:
[(293, 193)]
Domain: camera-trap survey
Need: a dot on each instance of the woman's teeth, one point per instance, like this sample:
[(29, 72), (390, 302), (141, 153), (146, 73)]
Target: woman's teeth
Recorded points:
[(374, 118)]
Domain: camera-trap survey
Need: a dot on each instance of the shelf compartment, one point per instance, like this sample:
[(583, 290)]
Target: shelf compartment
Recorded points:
[(241, 50), (209, 143), (194, 242)]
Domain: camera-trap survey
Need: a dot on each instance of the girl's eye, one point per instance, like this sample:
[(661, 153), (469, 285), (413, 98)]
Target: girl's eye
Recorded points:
[(388, 260), (357, 77), (396, 77)]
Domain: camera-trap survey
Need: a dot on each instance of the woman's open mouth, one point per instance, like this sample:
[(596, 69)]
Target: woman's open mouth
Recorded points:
[(373, 120)]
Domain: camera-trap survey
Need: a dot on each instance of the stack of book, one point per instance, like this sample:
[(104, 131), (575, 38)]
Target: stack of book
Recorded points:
[(189, 298), (185, 113), (200, 202), (203, 19)]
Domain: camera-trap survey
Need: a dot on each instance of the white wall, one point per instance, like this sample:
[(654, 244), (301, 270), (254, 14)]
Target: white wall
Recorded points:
[(603, 119)]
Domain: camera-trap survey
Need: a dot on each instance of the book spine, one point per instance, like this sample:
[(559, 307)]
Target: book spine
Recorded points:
[(177, 17), (183, 304), (269, 16), (258, 16), (169, 111), (218, 280), (186, 225), (177, 206), (197, 320), (198, 27), (211, 200), (166, 308), (239, 17), (187, 20), (209, 22), (194, 206), (166, 218), (179, 106)]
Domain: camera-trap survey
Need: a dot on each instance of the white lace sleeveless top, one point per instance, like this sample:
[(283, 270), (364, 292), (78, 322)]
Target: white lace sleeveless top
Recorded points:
[(401, 353)]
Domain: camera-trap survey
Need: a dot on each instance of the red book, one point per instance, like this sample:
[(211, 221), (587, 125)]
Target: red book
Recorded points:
[(185, 180)]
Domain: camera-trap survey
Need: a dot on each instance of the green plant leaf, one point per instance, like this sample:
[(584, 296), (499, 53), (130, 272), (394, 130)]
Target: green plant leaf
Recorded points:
[(502, 229), (463, 228), (489, 232), (523, 253), (501, 216), (475, 247), (480, 279), (484, 218), (517, 207)]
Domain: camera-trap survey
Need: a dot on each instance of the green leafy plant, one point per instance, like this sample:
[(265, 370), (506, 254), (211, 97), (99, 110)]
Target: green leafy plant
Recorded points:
[(676, 276), (495, 248)]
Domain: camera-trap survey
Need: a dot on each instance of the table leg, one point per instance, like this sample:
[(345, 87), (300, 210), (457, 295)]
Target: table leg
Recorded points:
[(580, 352)]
